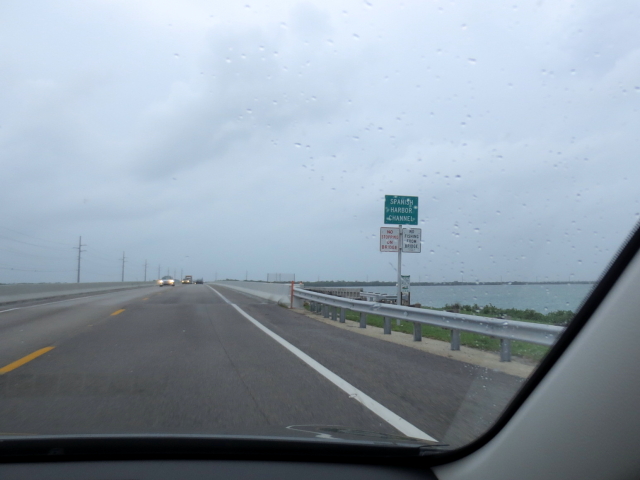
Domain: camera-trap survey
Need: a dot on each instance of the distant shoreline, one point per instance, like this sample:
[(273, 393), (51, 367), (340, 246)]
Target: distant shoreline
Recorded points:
[(437, 284)]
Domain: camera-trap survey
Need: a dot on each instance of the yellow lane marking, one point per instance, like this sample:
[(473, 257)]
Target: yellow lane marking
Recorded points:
[(23, 360), (147, 298), (117, 312)]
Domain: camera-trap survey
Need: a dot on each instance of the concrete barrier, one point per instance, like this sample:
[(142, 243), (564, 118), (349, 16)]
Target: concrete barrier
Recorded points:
[(36, 291), (273, 292)]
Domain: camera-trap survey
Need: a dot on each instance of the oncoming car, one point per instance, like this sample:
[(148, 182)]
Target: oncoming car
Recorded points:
[(188, 279), (167, 280)]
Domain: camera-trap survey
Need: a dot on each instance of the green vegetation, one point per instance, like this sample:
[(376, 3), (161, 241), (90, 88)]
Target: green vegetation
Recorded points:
[(559, 317), (527, 351)]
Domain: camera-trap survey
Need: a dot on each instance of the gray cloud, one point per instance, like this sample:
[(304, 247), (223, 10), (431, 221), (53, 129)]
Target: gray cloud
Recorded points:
[(268, 144)]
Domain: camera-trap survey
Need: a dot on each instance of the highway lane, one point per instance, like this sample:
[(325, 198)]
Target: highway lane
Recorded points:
[(182, 360), (24, 325), (450, 400)]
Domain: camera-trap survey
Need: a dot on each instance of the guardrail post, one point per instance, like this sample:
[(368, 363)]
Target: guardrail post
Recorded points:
[(455, 339), (325, 310), (505, 350), (312, 307), (417, 332), (387, 326), (334, 313), (363, 320), (343, 314)]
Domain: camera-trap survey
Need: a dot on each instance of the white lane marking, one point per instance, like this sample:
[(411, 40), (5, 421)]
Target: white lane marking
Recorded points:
[(383, 412), (11, 309), (220, 295)]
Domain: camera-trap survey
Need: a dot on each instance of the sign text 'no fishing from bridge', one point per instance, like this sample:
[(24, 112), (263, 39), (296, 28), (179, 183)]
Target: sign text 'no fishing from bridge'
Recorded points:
[(399, 210)]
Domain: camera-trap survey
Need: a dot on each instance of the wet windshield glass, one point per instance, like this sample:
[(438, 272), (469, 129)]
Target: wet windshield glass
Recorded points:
[(472, 161)]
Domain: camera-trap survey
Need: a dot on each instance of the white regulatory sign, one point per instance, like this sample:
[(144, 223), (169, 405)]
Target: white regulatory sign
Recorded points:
[(411, 240), (389, 239)]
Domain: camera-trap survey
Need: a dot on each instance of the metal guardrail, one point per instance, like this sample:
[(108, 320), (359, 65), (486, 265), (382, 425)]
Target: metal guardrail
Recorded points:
[(505, 330)]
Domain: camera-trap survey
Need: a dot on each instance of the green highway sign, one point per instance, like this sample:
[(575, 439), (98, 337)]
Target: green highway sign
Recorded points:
[(399, 210)]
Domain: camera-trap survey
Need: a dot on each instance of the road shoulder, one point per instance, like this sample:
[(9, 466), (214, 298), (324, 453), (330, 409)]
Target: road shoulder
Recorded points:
[(473, 356)]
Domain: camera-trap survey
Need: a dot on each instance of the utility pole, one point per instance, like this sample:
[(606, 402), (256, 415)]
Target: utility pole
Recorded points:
[(123, 260), (158, 271), (145, 270), (79, 247)]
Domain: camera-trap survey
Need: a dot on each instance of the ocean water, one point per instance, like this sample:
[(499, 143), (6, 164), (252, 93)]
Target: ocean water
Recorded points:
[(541, 298)]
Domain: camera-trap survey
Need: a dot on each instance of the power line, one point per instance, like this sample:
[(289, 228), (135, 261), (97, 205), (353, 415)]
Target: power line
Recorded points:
[(99, 274), (101, 257), (30, 255), (31, 236), (8, 267), (29, 243)]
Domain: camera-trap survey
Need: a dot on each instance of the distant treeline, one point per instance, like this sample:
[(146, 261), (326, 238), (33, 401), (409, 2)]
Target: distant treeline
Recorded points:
[(355, 283), (559, 317)]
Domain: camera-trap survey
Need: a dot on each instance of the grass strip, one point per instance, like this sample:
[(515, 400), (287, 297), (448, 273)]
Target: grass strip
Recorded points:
[(528, 351)]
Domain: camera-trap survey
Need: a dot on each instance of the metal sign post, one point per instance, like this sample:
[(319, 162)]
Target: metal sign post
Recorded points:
[(399, 300), (398, 210)]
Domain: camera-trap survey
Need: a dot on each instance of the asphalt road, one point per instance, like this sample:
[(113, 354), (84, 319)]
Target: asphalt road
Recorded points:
[(184, 360)]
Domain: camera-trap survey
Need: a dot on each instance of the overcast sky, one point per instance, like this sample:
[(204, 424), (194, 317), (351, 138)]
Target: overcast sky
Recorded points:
[(219, 139)]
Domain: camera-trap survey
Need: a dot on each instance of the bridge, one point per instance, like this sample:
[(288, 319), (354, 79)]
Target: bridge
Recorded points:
[(215, 359)]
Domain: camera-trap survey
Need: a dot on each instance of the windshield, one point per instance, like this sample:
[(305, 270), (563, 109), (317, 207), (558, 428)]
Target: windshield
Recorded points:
[(397, 210)]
